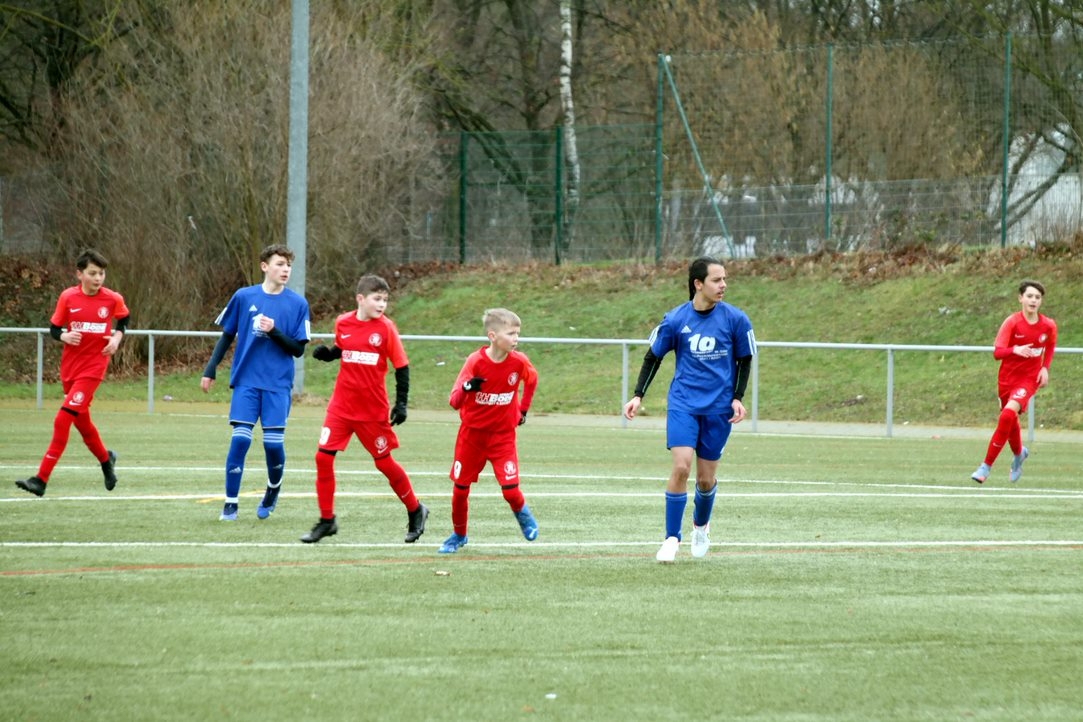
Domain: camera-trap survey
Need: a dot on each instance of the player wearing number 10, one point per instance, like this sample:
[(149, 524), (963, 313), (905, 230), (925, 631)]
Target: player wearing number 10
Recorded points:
[(714, 344)]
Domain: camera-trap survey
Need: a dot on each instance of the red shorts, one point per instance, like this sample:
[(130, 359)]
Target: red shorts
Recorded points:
[(1021, 393), (473, 448), (78, 393), (376, 436)]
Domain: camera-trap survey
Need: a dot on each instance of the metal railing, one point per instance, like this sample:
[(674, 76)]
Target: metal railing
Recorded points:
[(625, 345)]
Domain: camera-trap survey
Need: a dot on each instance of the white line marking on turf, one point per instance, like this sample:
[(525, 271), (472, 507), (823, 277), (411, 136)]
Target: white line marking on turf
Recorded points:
[(947, 543)]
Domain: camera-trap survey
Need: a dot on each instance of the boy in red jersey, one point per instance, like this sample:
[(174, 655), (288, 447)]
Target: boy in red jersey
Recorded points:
[(83, 322), (365, 341), (486, 393), (1024, 345)]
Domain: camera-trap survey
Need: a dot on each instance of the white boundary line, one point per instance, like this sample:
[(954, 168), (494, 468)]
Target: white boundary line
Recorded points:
[(925, 544)]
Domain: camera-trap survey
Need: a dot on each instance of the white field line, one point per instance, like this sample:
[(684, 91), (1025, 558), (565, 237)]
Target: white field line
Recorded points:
[(873, 544)]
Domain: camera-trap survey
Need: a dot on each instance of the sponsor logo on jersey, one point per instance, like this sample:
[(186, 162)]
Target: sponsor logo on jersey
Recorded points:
[(76, 310), (365, 358), (484, 399), (253, 309), (686, 329), (87, 327)]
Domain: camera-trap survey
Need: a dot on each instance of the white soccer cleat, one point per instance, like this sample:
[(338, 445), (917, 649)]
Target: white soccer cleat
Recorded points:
[(701, 540), (667, 554)]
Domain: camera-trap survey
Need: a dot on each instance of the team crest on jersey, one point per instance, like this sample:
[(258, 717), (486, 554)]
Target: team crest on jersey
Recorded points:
[(1043, 337), (509, 469), (513, 378), (1019, 393), (376, 339), (381, 444), (103, 312)]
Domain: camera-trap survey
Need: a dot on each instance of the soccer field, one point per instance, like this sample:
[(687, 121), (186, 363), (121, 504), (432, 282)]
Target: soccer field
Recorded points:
[(850, 578)]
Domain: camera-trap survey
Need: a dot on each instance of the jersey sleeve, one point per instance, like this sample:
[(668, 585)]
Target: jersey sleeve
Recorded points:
[(120, 309), (60, 313), (1050, 346), (1002, 346), (530, 384), (458, 396), (396, 352), (227, 319)]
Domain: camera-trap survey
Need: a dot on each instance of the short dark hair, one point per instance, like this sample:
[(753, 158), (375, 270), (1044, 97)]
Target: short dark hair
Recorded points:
[(89, 256), (697, 271), (1028, 284), (372, 283), (277, 249)]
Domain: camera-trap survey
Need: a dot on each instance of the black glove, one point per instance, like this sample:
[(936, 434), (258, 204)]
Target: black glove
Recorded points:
[(398, 414), (522, 418), (323, 353), (473, 384)]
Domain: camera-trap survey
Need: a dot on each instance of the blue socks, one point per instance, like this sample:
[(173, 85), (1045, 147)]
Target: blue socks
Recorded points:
[(675, 505), (238, 449), (274, 446), (702, 506)]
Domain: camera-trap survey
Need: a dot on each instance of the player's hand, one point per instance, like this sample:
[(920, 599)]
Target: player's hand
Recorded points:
[(398, 414), (473, 384), (739, 412), (322, 353), (205, 383), (74, 338), (632, 407), (522, 418), (266, 324)]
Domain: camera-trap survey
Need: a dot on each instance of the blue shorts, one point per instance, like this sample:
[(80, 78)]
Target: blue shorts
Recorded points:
[(250, 404), (706, 433)]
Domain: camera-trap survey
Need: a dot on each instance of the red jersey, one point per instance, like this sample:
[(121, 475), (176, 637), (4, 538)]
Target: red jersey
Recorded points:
[(93, 317), (1017, 331), (497, 405), (367, 345)]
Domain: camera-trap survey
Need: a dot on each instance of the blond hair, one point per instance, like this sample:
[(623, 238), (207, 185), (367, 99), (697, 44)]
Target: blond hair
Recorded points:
[(495, 319)]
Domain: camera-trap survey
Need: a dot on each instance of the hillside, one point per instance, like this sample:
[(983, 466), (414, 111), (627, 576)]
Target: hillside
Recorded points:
[(946, 297)]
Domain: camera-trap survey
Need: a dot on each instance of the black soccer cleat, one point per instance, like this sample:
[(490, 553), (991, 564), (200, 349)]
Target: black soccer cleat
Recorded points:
[(324, 527), (417, 523), (34, 485), (109, 472)]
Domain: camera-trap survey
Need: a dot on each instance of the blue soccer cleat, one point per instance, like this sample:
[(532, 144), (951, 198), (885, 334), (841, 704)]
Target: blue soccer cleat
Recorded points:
[(527, 523), (1017, 466), (981, 473), (453, 544), (229, 513)]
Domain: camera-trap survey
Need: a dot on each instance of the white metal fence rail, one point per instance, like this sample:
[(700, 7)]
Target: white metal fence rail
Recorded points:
[(626, 369)]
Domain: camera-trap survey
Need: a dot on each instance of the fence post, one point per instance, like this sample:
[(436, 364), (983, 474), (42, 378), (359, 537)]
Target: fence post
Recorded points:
[(150, 374), (890, 389)]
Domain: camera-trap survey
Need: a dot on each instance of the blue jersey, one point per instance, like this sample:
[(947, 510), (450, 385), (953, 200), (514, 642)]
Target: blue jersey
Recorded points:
[(707, 346), (258, 361)]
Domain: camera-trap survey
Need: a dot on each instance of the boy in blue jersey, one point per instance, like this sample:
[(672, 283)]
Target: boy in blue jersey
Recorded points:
[(714, 345), (271, 325)]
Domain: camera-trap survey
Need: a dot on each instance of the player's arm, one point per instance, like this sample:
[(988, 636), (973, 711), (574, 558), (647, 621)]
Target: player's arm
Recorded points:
[(530, 386), (466, 383), (116, 337), (1002, 346), (219, 353), (647, 371), (294, 347), (402, 394)]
